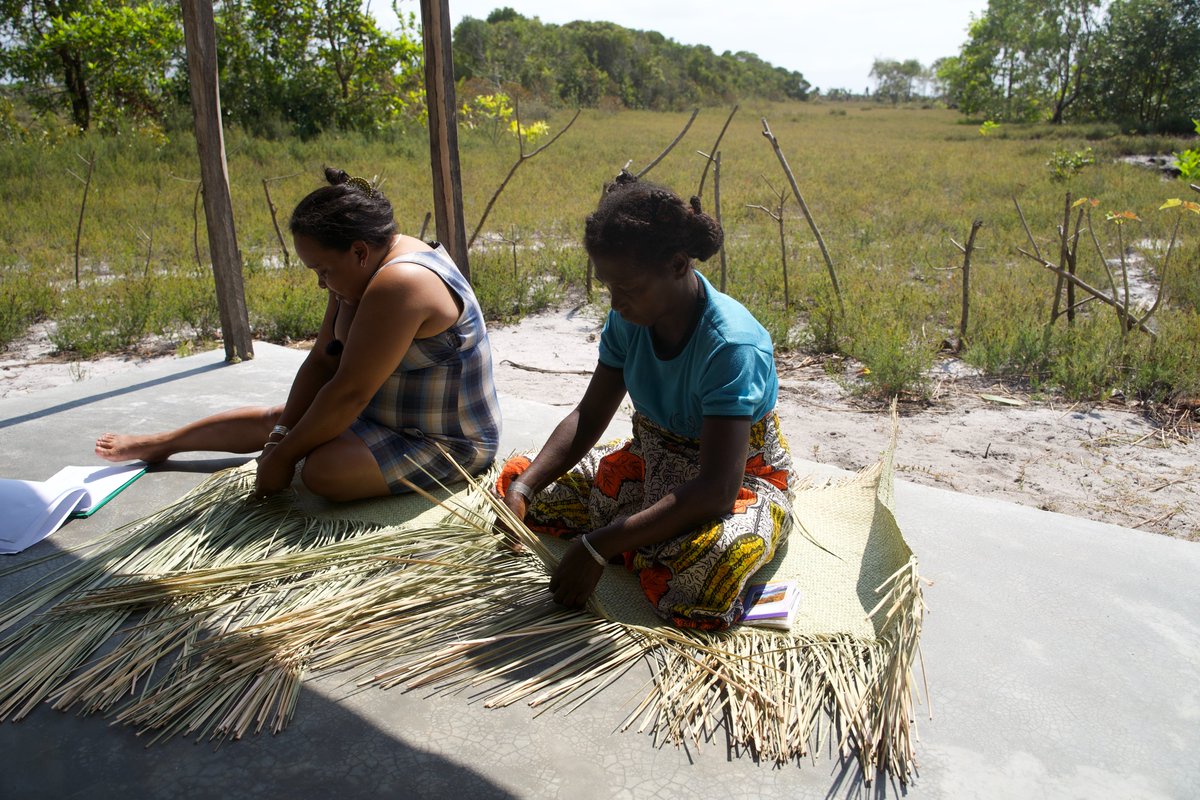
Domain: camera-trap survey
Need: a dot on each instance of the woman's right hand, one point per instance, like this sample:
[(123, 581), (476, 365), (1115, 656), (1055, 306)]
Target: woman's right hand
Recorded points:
[(516, 503)]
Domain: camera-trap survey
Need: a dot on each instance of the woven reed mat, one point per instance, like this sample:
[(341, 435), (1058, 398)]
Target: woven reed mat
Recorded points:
[(849, 657), (225, 605)]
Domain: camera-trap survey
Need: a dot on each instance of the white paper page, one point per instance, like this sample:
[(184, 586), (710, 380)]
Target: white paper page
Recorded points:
[(32, 511), (97, 482)]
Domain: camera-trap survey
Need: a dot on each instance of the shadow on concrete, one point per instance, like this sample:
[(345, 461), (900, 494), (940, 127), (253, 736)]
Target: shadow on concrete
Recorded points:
[(101, 396)]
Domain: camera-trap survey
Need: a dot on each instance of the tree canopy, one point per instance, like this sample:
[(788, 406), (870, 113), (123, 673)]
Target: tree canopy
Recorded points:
[(585, 63), (100, 58), (1135, 61), (296, 67)]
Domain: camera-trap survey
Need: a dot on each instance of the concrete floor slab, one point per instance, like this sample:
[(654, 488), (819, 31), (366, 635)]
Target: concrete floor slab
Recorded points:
[(1063, 655)]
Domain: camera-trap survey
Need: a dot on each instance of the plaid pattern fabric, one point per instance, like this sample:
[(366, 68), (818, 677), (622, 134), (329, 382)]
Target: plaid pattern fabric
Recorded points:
[(442, 391), (696, 579)]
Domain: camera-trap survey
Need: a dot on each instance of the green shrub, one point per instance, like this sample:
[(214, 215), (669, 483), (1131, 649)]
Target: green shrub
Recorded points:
[(1188, 163), (187, 306), (895, 363), (105, 317), (1066, 163), (285, 305), (1088, 362), (1012, 352), (1168, 367), (23, 300)]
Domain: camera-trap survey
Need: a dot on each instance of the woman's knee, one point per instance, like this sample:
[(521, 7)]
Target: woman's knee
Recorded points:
[(340, 474)]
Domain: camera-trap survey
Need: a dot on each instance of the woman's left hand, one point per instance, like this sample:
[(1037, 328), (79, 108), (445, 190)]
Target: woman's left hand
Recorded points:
[(274, 474), (576, 577)]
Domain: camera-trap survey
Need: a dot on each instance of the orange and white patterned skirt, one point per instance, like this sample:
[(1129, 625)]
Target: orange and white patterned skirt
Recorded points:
[(695, 579)]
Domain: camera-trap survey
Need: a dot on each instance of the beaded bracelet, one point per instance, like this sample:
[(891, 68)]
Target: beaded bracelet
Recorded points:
[(599, 559)]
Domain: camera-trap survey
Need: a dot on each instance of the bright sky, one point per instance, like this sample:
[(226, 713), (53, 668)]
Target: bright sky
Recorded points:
[(831, 42)]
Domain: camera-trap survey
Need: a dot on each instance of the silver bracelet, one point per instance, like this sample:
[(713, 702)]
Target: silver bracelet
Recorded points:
[(282, 430), (518, 486), (599, 559)]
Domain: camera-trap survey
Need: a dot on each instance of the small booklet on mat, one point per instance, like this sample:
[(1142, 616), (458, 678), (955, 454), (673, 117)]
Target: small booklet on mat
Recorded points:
[(32, 510), (772, 604)]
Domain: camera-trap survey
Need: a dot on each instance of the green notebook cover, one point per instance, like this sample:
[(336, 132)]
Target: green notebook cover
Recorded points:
[(111, 489)]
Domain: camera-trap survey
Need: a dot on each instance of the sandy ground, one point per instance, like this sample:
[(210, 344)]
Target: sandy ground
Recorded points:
[(1105, 462)]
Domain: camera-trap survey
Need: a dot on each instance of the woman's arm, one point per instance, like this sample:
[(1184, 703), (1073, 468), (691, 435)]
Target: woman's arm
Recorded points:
[(724, 443), (393, 309), (575, 435), (315, 372)]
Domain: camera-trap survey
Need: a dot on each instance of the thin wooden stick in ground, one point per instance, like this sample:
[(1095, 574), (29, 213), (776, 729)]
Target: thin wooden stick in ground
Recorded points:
[(425, 225), (966, 283), (713, 149), (717, 208), (153, 229), (1122, 317), (642, 172), (777, 215), (522, 157), (1064, 259), (787, 170), (1162, 273), (287, 261), (1099, 295), (1072, 255), (87, 184)]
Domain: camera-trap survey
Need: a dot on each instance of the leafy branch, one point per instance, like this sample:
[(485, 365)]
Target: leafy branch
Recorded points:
[(522, 157)]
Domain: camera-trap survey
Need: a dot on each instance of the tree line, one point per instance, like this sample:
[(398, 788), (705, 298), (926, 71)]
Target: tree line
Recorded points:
[(1135, 62), (310, 65), (306, 66), (597, 63), (296, 67)]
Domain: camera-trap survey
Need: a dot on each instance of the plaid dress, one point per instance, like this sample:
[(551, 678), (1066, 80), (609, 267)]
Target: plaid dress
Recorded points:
[(442, 392), (695, 579)]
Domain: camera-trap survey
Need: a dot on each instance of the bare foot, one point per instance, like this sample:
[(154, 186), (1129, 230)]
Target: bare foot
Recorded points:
[(115, 447)]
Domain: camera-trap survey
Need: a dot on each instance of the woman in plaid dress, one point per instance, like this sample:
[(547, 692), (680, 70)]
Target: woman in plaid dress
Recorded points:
[(699, 499), (401, 365)]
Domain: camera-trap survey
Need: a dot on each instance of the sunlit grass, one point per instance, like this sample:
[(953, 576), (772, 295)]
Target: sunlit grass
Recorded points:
[(891, 189)]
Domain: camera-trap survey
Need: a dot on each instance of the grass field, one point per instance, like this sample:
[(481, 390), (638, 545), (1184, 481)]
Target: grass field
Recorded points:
[(889, 188)]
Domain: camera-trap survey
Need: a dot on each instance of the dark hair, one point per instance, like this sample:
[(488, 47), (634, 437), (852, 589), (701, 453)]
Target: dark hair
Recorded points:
[(649, 225), (345, 212)]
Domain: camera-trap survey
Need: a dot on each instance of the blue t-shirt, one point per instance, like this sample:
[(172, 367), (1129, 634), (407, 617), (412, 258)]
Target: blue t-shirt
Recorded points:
[(727, 368)]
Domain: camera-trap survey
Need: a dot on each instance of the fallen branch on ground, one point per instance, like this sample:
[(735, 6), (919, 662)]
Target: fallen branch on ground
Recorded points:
[(528, 368)]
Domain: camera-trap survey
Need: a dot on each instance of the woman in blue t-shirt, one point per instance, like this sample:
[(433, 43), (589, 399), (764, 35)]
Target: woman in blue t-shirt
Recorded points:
[(698, 500)]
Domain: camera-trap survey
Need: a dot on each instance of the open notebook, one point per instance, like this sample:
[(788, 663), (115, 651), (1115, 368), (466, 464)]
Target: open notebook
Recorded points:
[(32, 510)]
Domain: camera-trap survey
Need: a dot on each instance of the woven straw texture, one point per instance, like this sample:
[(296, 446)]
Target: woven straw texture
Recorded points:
[(230, 603)]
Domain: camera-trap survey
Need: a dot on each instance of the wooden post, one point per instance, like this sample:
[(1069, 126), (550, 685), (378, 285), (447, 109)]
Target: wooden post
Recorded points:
[(200, 37), (443, 130)]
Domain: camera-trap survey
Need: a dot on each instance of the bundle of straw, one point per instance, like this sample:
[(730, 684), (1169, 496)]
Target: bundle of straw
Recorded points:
[(219, 606)]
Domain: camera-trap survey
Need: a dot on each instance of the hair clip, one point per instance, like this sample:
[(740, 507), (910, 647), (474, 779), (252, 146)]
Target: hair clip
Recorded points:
[(363, 184)]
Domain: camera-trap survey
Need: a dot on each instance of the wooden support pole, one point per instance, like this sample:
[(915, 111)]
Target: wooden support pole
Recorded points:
[(200, 37), (443, 131)]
